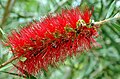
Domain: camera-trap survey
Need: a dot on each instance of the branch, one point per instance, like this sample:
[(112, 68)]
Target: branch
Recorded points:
[(8, 8), (107, 20), (7, 62)]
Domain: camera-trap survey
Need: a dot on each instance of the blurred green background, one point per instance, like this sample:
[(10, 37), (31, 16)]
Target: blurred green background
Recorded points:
[(99, 63)]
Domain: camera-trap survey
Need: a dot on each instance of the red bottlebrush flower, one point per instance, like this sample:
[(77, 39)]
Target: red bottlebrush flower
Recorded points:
[(53, 39)]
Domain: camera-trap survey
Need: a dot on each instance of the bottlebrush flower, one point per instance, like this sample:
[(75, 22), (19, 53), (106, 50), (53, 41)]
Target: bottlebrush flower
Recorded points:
[(53, 39)]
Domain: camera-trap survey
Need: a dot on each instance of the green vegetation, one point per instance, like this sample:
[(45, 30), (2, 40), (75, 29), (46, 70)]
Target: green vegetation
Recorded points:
[(99, 63)]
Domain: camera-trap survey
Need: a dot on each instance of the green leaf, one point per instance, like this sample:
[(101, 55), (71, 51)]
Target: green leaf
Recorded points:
[(116, 26), (111, 9), (2, 31)]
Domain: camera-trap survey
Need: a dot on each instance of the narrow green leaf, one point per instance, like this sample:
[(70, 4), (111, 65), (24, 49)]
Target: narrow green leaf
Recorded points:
[(116, 26), (101, 9), (2, 31), (111, 9)]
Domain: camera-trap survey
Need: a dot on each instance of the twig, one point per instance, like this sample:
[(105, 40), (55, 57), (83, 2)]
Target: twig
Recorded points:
[(7, 62), (8, 8), (106, 20)]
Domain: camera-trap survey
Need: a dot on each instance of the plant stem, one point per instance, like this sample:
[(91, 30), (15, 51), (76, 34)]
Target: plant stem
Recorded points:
[(8, 8), (7, 62), (106, 20)]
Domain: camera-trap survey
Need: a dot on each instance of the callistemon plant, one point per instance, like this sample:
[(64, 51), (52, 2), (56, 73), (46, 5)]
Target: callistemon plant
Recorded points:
[(52, 39)]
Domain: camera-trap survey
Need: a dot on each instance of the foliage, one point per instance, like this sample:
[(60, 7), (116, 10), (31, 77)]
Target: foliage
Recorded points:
[(99, 63)]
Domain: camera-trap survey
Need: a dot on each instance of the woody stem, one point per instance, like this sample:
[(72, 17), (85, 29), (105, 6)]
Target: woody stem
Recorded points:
[(106, 20), (7, 62)]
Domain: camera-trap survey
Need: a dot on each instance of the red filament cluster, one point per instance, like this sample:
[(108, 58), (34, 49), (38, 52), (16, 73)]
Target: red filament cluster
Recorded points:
[(53, 39)]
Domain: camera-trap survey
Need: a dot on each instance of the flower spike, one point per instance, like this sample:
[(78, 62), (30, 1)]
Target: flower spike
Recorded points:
[(54, 38)]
